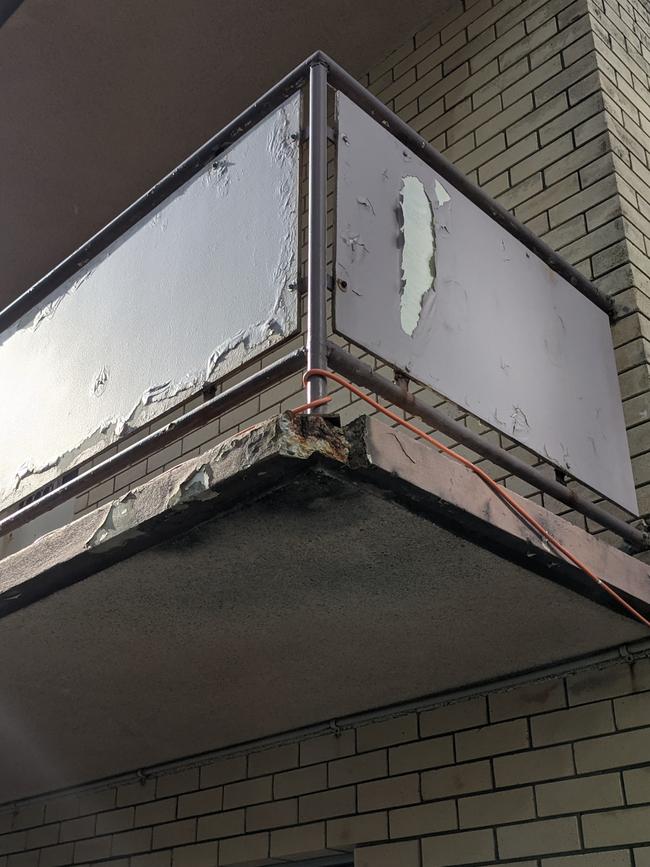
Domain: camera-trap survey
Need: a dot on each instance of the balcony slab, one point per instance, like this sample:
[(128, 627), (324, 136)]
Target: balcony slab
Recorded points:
[(291, 575)]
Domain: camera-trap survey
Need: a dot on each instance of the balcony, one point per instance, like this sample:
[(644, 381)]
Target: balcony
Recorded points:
[(254, 574)]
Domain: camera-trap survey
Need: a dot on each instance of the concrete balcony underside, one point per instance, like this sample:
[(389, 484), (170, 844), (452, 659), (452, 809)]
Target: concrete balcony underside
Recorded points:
[(291, 575)]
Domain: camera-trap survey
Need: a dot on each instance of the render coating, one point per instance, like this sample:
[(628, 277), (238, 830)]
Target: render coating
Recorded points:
[(430, 283), (189, 294)]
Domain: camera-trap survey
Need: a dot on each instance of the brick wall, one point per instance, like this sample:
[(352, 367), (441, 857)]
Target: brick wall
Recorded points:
[(621, 34), (546, 105), (550, 773)]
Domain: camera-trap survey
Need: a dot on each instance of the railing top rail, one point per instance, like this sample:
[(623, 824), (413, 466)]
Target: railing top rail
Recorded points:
[(339, 78), (274, 97), (342, 80)]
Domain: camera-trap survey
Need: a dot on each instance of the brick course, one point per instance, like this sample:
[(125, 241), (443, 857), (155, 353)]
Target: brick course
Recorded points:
[(517, 804), (547, 104)]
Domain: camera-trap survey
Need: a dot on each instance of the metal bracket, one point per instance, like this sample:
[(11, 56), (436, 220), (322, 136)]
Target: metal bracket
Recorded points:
[(626, 654), (561, 477)]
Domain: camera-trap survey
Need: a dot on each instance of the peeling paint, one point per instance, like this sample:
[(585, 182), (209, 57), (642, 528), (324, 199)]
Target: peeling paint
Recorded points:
[(565, 457), (494, 329), (134, 334), (218, 176), (355, 242), (442, 196), (366, 203), (99, 384), (48, 311), (519, 420), (27, 469), (195, 486), (120, 517), (159, 221), (418, 251)]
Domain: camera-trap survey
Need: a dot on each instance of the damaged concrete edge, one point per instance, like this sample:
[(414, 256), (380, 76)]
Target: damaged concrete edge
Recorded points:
[(245, 465), (270, 455), (456, 496)]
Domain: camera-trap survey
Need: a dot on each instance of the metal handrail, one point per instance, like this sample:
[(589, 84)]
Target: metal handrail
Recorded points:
[(233, 131), (361, 374), (320, 71), (336, 77)]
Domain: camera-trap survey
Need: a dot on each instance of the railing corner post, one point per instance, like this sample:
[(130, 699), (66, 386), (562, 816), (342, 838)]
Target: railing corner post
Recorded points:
[(317, 238)]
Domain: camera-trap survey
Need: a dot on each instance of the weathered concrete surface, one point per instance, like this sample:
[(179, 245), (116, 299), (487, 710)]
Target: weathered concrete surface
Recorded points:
[(421, 474), (171, 502), (290, 576)]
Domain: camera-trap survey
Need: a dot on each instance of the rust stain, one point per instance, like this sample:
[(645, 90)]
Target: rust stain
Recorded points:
[(312, 433)]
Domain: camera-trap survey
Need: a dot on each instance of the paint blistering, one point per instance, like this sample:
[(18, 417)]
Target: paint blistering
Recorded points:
[(418, 251), (100, 381)]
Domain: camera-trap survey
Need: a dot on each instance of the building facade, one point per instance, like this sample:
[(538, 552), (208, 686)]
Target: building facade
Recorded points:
[(544, 104)]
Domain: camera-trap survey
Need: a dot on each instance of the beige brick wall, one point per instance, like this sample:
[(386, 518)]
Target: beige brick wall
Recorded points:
[(546, 105), (548, 773), (621, 34)]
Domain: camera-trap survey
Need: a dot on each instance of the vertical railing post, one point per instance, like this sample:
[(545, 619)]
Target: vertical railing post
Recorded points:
[(317, 237)]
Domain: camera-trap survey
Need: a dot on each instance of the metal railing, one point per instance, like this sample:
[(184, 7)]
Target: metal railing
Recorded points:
[(317, 74)]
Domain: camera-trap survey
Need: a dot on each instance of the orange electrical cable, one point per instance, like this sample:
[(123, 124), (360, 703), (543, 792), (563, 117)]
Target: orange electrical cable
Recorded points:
[(320, 401), (489, 481)]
